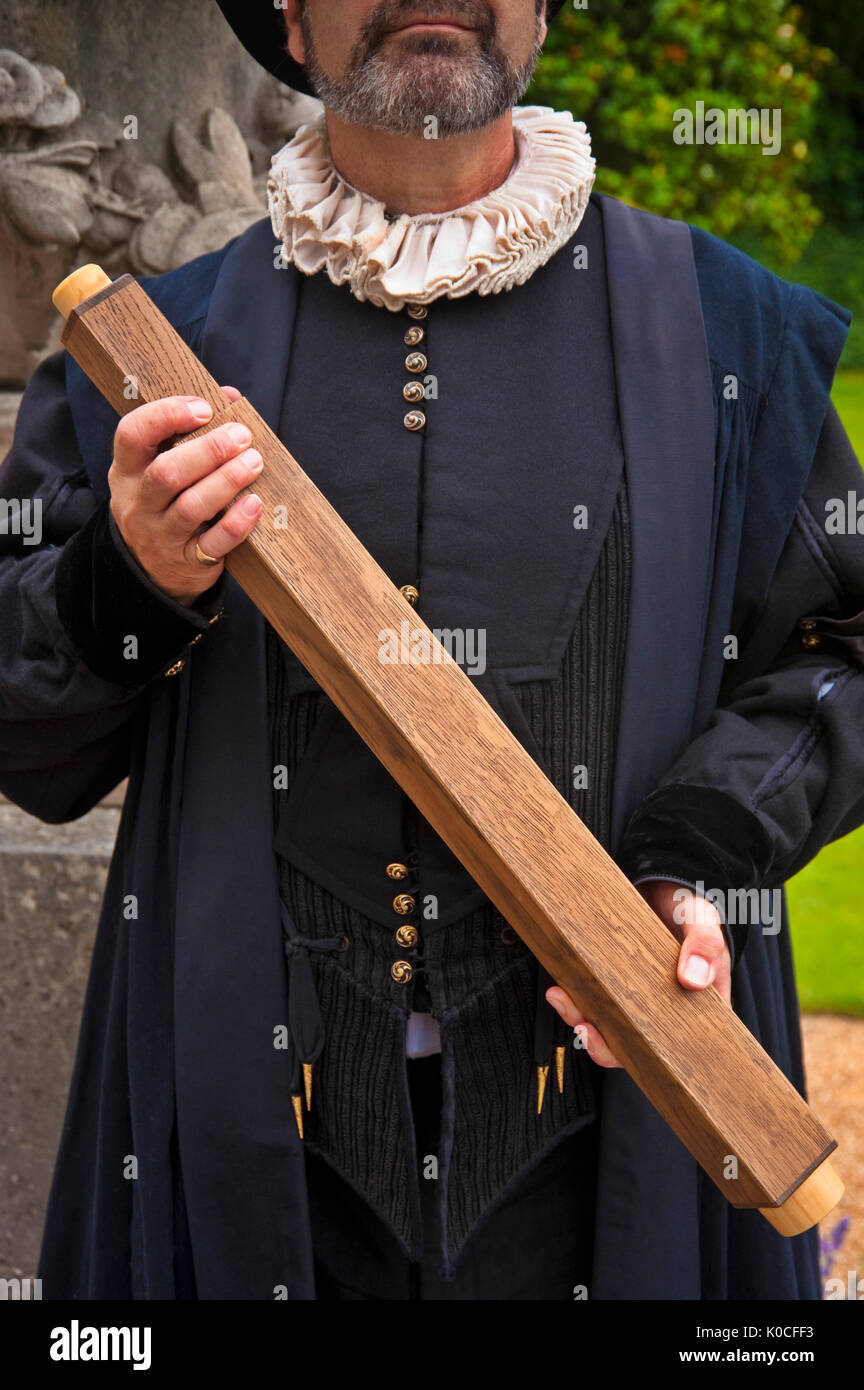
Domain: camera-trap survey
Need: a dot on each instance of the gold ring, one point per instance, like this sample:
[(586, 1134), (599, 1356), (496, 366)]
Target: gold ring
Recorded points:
[(204, 559)]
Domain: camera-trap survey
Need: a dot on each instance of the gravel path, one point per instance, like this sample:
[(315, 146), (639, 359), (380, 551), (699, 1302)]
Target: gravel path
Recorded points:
[(834, 1060)]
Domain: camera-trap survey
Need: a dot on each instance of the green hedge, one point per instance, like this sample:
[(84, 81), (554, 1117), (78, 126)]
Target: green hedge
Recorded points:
[(626, 68)]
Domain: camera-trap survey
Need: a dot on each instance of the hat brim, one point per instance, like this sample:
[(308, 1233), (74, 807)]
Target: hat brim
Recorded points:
[(261, 30)]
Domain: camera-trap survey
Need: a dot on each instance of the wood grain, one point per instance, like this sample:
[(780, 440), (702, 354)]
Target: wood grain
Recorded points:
[(480, 790)]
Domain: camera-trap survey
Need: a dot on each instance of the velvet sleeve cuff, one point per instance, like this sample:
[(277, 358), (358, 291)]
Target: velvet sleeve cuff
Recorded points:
[(127, 630)]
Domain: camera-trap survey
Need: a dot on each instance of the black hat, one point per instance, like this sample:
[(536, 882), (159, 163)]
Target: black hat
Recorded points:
[(261, 29)]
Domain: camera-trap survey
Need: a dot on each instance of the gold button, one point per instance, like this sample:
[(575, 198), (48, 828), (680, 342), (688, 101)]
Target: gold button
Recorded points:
[(196, 639), (417, 311), (403, 904), (811, 639), (407, 936), (414, 336), (416, 362), (217, 617), (413, 391), (176, 668), (410, 593), (807, 624), (397, 870), (402, 971), (414, 420)]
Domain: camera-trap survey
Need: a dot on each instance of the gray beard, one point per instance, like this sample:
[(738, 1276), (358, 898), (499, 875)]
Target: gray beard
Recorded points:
[(462, 93)]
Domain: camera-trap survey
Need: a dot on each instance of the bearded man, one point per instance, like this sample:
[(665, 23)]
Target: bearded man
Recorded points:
[(603, 441)]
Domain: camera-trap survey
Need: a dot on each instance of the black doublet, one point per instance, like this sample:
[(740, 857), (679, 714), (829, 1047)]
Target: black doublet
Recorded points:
[(481, 979), (466, 966)]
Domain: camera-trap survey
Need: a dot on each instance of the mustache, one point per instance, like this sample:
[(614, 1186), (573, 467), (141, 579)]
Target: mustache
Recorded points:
[(393, 14)]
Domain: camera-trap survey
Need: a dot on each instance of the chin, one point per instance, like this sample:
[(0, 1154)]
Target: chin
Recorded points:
[(444, 58), (401, 87), (435, 79)]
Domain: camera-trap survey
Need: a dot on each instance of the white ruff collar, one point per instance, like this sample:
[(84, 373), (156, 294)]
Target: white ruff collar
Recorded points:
[(486, 246)]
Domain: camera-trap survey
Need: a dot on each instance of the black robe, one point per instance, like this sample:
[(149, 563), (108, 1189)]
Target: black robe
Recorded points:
[(175, 1062)]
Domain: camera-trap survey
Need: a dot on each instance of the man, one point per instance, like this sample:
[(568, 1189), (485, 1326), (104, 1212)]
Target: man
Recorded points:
[(595, 445)]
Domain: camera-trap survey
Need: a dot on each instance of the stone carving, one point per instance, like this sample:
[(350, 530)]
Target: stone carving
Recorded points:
[(71, 183), (34, 100)]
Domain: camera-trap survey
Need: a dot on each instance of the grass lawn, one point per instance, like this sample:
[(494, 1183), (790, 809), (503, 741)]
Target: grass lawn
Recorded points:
[(828, 928), (848, 396), (826, 900)]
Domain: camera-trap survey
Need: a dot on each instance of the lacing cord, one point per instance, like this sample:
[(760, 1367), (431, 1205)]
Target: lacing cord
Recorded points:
[(305, 1023)]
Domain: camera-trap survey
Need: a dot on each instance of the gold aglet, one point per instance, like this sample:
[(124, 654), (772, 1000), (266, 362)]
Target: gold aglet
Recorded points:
[(297, 1102), (307, 1082), (559, 1067), (542, 1073)]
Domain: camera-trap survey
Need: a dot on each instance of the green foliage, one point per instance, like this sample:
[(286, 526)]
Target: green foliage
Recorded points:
[(848, 397), (837, 175), (826, 926), (626, 67)]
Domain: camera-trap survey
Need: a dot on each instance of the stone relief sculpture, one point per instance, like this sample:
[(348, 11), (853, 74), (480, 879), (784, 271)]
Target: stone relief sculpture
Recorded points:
[(72, 187)]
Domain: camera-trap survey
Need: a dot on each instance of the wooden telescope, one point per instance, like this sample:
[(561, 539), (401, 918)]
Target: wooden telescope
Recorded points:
[(482, 792)]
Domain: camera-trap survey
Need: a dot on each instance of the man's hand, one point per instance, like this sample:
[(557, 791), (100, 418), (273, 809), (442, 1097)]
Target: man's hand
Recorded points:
[(161, 502), (703, 959)]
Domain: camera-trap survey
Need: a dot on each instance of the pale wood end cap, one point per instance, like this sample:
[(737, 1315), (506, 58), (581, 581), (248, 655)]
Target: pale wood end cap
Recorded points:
[(86, 280), (810, 1203)]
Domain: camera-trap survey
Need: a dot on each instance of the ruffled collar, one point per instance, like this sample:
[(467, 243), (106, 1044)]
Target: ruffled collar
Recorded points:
[(484, 247)]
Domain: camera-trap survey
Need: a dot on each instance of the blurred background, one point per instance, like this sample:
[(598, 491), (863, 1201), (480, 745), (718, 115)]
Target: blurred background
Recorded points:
[(142, 145)]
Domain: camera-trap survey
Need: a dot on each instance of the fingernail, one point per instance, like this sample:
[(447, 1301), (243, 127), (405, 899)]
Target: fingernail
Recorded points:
[(251, 504), (556, 1005), (199, 409), (697, 971), (239, 434), (252, 459)]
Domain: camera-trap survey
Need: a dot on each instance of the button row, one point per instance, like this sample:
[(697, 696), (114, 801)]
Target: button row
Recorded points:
[(407, 936), (177, 667), (415, 362), (811, 640)]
